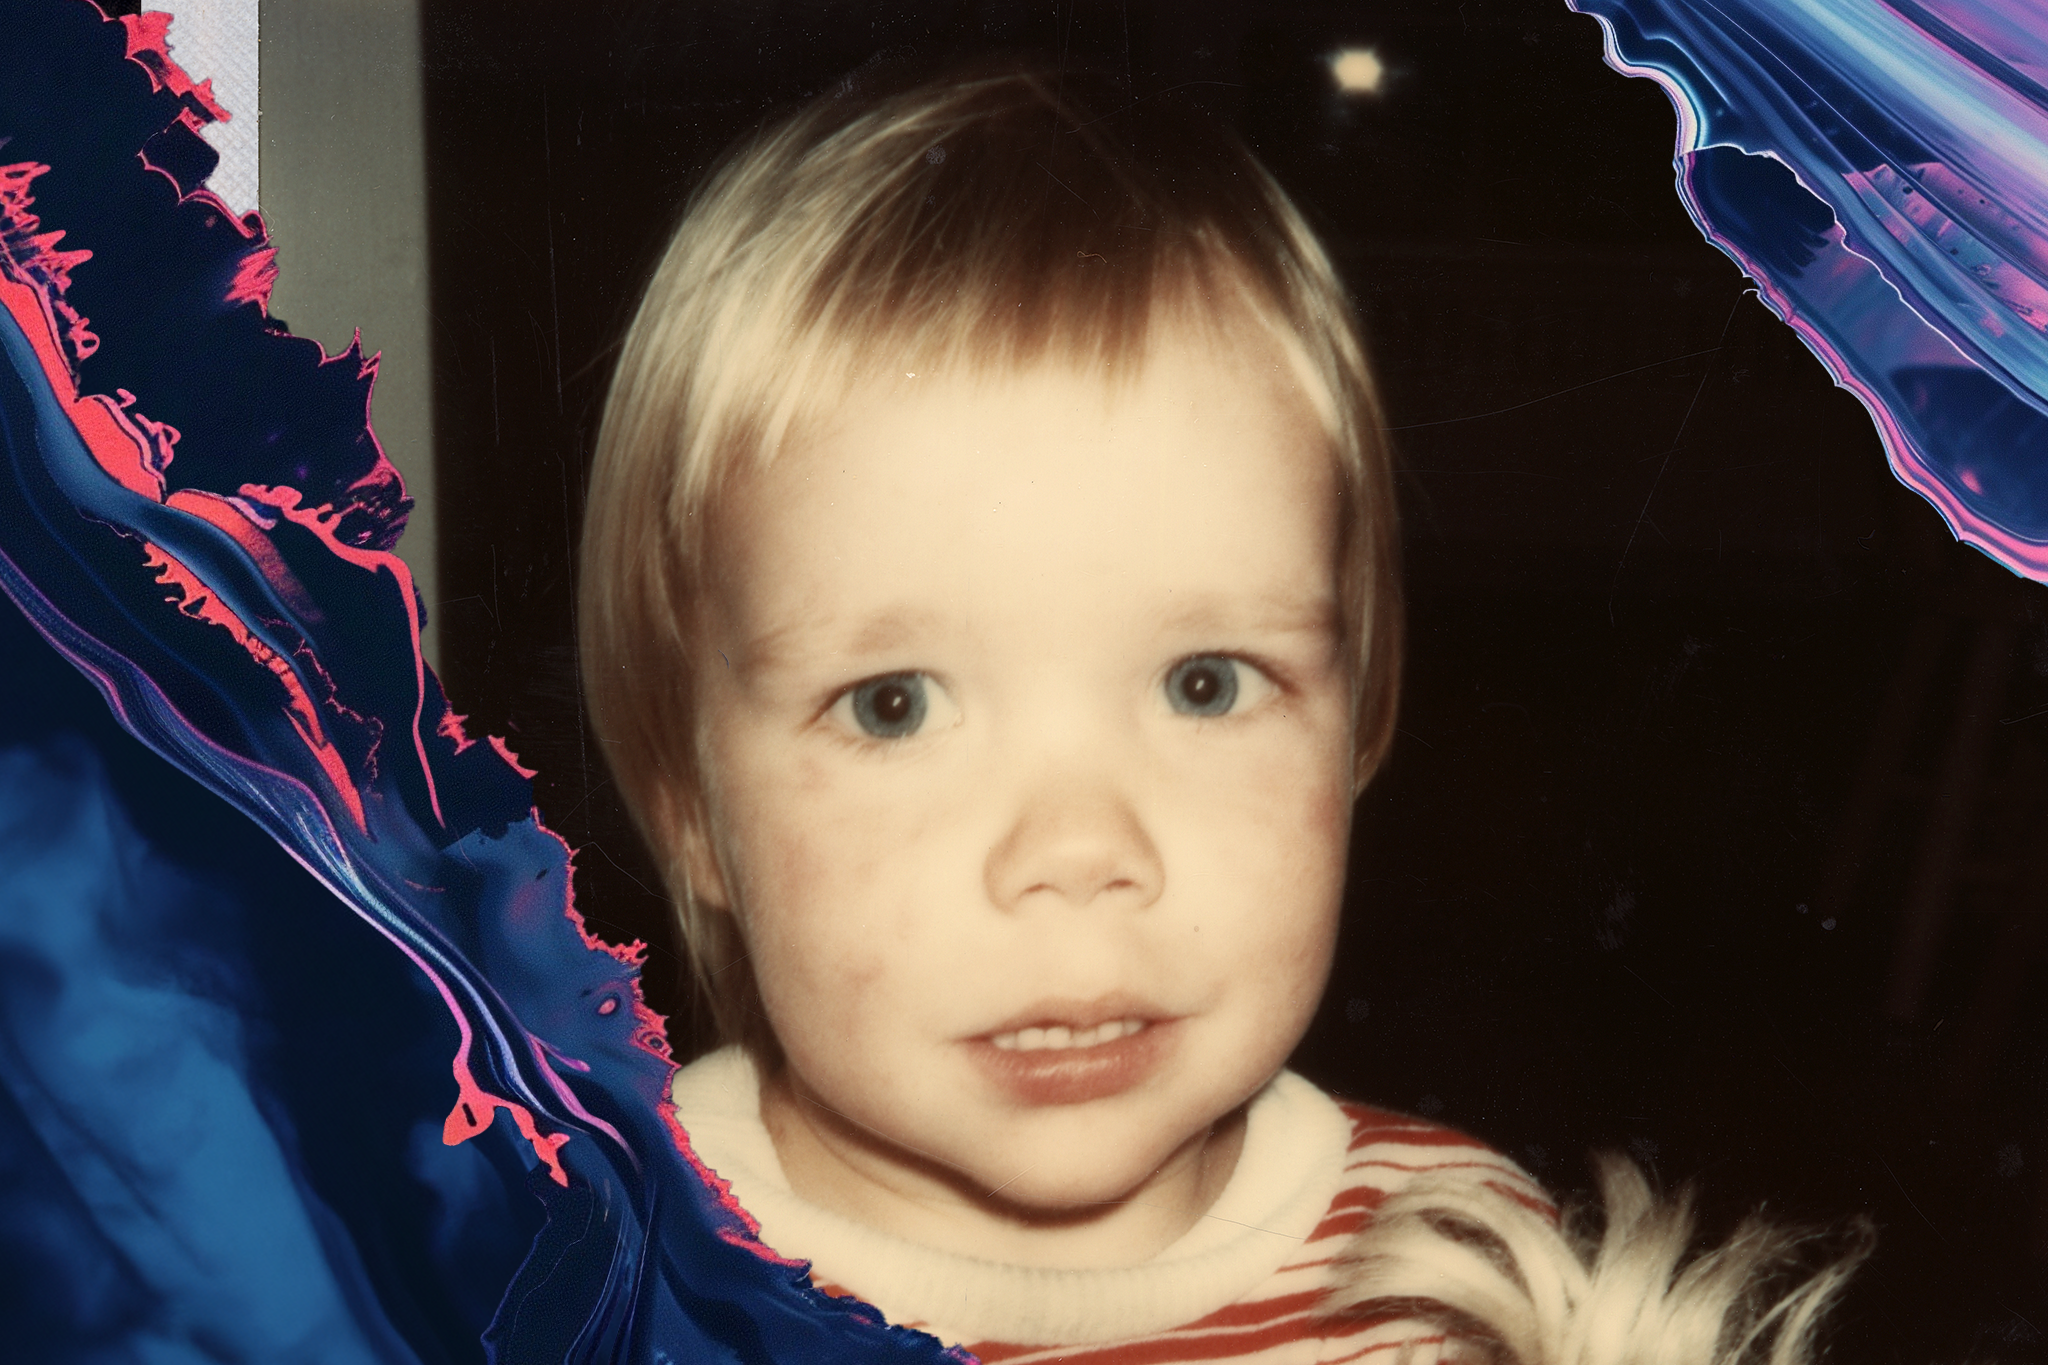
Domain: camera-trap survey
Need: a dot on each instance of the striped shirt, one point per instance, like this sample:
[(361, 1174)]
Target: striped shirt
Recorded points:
[(1247, 1284), (1279, 1323)]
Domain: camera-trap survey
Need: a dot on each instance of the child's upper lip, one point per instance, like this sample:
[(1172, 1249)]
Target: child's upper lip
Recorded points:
[(1079, 1014)]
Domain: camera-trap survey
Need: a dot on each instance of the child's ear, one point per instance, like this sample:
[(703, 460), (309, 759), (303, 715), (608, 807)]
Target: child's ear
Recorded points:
[(700, 860)]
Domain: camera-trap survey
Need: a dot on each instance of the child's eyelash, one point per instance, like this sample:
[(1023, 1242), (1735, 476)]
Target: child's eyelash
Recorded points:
[(1274, 672), (858, 734), (838, 692)]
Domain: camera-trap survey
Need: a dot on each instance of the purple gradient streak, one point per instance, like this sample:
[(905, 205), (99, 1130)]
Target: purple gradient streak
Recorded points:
[(1881, 171)]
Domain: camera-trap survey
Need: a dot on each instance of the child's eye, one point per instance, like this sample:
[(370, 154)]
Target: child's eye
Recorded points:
[(1209, 684), (893, 706)]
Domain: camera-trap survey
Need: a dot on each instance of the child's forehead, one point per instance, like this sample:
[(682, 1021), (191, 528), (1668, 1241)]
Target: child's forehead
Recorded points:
[(1202, 477), (1185, 371)]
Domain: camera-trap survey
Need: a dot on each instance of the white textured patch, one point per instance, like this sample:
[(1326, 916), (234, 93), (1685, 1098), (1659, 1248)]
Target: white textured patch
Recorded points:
[(216, 40)]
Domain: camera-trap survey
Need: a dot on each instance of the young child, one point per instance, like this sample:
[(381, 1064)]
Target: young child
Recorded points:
[(990, 609)]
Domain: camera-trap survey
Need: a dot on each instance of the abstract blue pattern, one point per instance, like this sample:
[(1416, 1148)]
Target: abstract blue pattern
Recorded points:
[(195, 514), (1881, 171)]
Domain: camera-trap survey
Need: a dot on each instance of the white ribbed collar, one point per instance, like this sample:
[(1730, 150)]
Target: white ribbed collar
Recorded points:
[(1288, 1172)]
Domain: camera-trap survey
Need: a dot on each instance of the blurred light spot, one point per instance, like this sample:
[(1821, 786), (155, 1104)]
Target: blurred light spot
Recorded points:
[(1358, 70)]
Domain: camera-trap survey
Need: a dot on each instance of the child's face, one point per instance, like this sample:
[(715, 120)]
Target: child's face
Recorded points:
[(1025, 708)]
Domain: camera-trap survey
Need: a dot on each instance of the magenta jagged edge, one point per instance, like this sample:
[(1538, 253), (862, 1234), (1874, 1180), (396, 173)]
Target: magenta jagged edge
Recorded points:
[(196, 513), (1881, 172)]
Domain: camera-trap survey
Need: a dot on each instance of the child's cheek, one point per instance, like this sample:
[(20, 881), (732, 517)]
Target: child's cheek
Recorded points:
[(841, 866), (1296, 787), (1280, 826)]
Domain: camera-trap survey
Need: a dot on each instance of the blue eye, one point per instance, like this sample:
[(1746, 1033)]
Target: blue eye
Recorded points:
[(891, 706), (1205, 685)]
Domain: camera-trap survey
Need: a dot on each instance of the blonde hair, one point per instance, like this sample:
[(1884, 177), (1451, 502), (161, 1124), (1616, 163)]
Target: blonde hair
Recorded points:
[(986, 222), (1473, 1263)]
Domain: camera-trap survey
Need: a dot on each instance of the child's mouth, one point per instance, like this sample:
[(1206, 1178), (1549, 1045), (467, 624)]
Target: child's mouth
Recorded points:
[(1058, 1037), (1098, 1051)]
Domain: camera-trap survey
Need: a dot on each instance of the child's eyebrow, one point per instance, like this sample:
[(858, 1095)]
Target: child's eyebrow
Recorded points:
[(1278, 614), (813, 637)]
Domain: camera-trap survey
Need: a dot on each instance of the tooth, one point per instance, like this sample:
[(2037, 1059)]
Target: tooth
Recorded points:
[(1055, 1037)]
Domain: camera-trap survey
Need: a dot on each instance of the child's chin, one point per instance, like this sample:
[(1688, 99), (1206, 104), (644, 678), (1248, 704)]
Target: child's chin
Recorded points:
[(1082, 1171), (1057, 1197)]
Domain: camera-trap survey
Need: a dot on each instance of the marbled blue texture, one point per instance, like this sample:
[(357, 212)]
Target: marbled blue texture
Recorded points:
[(392, 1104), (1881, 170)]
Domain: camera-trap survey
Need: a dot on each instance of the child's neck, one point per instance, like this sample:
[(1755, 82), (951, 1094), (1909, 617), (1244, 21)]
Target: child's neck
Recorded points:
[(837, 1165)]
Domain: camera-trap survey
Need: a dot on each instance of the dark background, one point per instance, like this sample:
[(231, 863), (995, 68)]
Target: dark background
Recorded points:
[(1716, 831)]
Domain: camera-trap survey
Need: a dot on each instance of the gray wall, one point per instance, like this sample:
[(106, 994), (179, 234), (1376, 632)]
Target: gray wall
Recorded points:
[(344, 193)]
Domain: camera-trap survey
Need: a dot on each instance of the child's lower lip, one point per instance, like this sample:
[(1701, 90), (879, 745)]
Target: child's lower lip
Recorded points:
[(1077, 1075)]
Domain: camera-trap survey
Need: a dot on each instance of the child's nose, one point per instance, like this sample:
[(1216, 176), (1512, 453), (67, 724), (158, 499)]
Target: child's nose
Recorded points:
[(1077, 845)]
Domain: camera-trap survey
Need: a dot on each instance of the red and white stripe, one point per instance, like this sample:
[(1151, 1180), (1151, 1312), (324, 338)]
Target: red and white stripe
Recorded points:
[(1281, 1322)]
